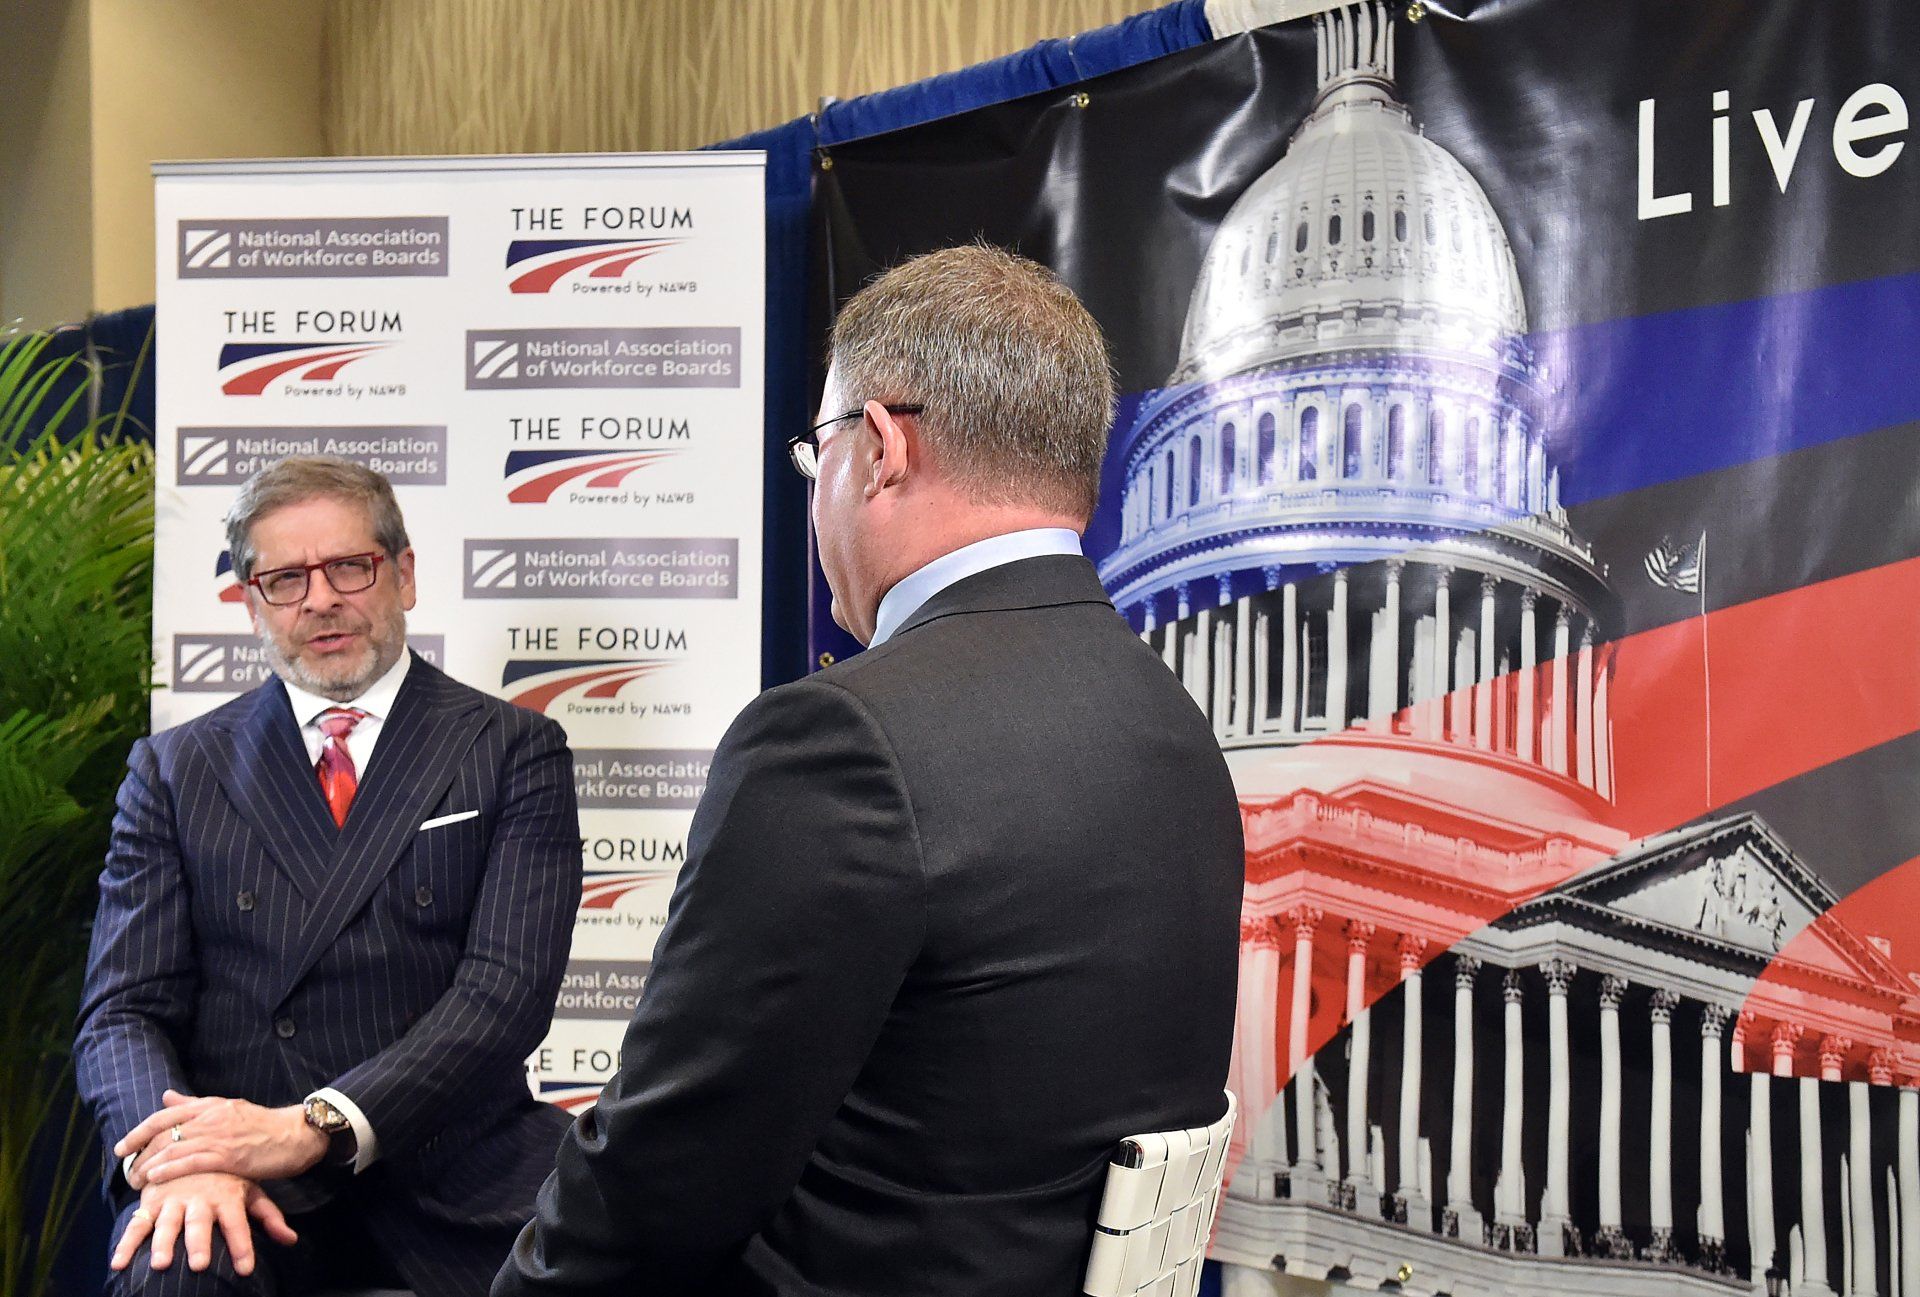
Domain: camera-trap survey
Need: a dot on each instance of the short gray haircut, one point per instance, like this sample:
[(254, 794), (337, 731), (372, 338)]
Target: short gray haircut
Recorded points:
[(299, 478), (1011, 369)]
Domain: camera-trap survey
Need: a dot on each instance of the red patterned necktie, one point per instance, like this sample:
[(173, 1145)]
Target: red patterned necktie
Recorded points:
[(335, 768)]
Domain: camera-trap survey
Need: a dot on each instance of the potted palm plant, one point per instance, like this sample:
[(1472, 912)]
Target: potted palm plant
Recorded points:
[(76, 555)]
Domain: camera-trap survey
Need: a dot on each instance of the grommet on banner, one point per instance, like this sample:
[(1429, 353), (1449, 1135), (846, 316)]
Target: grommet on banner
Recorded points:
[(1416, 11), (826, 162), (1081, 100), (826, 659), (1404, 1273)]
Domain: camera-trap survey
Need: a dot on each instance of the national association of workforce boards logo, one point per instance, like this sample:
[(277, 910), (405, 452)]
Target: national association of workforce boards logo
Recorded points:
[(539, 264), (570, 1095), (249, 368), (602, 889), (537, 684), (312, 247), (222, 662), (533, 476)]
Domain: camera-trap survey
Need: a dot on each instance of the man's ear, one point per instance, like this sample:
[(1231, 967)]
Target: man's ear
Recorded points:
[(403, 572), (894, 454)]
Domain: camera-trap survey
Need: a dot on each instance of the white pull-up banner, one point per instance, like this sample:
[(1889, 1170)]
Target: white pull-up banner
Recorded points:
[(558, 363)]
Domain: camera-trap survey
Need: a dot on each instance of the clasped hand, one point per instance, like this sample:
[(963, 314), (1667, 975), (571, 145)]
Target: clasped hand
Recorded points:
[(200, 1164)]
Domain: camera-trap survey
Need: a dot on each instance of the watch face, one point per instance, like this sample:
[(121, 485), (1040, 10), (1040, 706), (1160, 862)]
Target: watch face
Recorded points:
[(322, 1115)]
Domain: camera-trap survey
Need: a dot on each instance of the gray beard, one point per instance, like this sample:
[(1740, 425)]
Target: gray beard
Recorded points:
[(294, 674)]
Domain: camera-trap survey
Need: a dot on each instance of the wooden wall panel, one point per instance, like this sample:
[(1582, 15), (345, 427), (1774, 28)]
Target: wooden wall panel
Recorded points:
[(541, 76)]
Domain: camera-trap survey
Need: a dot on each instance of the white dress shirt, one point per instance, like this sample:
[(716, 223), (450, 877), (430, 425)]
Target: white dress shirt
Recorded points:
[(376, 702), (915, 589)]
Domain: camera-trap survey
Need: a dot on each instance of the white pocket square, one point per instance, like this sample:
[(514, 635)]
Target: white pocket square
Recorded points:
[(449, 819)]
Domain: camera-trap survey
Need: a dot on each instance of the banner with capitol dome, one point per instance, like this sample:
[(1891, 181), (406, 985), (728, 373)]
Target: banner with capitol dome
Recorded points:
[(1516, 461)]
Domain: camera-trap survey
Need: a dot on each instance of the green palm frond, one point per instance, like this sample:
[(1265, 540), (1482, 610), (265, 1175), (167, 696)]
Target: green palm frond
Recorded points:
[(76, 559)]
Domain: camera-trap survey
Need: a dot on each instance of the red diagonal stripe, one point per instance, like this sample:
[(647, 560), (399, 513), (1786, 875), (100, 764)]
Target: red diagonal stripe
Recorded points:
[(543, 278), (1800, 679), (617, 476), (333, 367), (541, 488), (614, 269), (539, 696), (254, 381), (608, 688)]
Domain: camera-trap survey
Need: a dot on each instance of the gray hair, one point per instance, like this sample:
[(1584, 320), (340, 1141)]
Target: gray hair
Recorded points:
[(1010, 367), (306, 477)]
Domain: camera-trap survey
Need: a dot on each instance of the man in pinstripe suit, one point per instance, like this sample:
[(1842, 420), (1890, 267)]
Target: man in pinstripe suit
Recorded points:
[(333, 919)]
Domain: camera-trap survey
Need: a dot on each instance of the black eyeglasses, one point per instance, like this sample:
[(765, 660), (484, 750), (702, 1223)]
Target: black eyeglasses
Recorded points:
[(349, 574), (804, 450)]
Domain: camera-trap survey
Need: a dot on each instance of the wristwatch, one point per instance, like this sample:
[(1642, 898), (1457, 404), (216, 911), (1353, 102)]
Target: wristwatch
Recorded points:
[(331, 1122)]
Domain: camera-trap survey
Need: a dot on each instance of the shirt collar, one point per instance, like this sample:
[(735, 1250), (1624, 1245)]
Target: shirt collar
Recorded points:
[(916, 588), (376, 701)]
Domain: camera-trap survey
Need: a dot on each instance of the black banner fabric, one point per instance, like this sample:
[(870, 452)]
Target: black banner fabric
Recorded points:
[(1519, 461)]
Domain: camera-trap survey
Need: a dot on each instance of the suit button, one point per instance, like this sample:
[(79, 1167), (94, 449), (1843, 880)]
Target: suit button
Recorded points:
[(284, 1028), (423, 896), (245, 902)]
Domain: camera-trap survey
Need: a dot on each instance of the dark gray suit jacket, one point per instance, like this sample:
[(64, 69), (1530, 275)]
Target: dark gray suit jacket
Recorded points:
[(958, 915), (246, 947)]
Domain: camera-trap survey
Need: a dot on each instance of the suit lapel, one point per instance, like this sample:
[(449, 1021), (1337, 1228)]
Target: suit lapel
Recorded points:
[(270, 782), (421, 744)]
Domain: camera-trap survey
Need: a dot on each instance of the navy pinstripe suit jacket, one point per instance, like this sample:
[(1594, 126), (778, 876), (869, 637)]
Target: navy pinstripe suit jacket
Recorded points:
[(245, 946)]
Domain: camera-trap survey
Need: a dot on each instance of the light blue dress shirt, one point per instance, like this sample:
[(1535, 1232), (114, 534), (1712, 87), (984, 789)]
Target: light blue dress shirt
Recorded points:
[(915, 589)]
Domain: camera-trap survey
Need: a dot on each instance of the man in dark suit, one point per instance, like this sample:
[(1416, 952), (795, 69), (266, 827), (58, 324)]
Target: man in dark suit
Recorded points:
[(958, 913), (333, 919)]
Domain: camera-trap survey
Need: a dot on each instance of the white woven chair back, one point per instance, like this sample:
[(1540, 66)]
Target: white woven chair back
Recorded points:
[(1150, 1238)]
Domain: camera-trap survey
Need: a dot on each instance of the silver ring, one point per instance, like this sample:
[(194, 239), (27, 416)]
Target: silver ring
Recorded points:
[(173, 1132)]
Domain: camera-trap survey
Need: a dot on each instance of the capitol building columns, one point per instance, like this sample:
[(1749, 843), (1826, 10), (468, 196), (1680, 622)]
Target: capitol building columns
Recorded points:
[(1851, 1229), (1510, 1197), (1465, 1219), (1483, 691), (1908, 1189), (1556, 1217), (1255, 1054), (1306, 1166), (1525, 717), (1412, 1192), (1401, 650), (1359, 1143), (1612, 1236), (1710, 1221)]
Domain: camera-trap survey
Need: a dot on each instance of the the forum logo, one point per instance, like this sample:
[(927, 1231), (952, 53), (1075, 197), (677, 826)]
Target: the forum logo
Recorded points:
[(249, 368), (571, 1095), (535, 476), (590, 683), (602, 889), (537, 265), (226, 580)]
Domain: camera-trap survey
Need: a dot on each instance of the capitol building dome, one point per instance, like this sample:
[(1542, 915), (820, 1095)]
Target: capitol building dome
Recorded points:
[(1354, 382), (1364, 227), (1341, 515)]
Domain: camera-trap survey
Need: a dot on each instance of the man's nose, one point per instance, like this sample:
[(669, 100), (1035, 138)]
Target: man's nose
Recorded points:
[(321, 595)]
